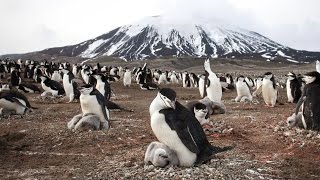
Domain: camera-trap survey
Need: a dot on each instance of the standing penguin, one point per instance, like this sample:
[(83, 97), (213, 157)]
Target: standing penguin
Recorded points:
[(14, 101), (269, 89), (69, 85), (15, 79), (50, 86), (93, 102), (103, 86), (175, 126), (310, 101), (214, 90), (318, 66), (127, 78), (293, 88), (243, 90), (202, 85)]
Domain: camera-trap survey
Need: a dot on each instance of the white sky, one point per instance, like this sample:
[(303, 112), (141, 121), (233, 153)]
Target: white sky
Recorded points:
[(31, 25)]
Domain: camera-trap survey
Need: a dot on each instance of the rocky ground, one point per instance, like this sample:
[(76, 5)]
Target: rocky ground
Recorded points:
[(39, 145)]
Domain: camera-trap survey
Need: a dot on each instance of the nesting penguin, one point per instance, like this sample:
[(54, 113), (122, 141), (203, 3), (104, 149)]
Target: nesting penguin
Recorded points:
[(243, 90), (14, 101), (213, 89), (69, 85), (160, 155), (175, 126), (200, 111), (93, 102), (269, 89), (293, 86), (310, 101), (50, 86)]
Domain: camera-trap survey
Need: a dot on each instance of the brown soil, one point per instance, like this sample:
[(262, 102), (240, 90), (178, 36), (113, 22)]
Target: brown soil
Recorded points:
[(39, 145)]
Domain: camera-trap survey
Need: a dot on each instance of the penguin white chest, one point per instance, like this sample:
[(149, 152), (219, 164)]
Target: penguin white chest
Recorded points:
[(170, 138), (269, 94), (289, 95), (214, 91), (127, 78), (100, 87), (68, 88), (242, 89), (89, 104)]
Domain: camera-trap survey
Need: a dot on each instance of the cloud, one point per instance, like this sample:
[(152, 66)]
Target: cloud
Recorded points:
[(38, 24)]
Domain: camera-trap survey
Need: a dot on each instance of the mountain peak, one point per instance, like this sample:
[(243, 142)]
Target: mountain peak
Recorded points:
[(159, 36)]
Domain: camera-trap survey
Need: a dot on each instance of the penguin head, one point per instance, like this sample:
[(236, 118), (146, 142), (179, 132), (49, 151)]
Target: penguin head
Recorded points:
[(240, 78), (200, 110), (311, 77), (268, 75), (168, 98), (86, 89), (291, 75), (160, 158)]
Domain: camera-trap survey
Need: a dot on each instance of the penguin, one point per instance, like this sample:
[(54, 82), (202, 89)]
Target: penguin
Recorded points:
[(212, 107), (293, 88), (173, 78), (69, 85), (162, 78), (200, 111), (258, 84), (84, 122), (318, 66), (103, 86), (127, 78), (14, 101), (295, 120), (214, 89), (229, 80), (160, 155), (175, 126), (50, 86), (310, 101), (201, 85), (194, 80), (243, 90), (93, 102), (15, 79), (29, 88), (56, 76), (249, 81), (269, 89), (186, 82)]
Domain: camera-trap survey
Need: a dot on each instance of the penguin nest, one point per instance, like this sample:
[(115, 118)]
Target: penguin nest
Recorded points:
[(48, 99)]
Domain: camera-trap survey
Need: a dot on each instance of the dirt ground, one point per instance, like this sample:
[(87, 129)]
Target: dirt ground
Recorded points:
[(39, 145)]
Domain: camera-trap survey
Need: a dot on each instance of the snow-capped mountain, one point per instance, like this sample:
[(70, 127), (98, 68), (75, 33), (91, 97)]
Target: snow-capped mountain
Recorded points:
[(159, 36)]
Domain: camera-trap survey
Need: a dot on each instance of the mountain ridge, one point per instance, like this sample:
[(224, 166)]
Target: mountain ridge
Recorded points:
[(156, 37)]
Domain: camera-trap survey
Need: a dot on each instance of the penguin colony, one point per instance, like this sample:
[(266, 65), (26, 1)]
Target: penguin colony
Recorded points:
[(177, 127)]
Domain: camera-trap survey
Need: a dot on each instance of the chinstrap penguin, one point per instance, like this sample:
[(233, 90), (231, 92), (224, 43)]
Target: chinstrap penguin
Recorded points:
[(93, 102), (176, 126)]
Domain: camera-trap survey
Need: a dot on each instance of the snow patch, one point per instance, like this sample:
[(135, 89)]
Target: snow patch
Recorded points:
[(89, 52)]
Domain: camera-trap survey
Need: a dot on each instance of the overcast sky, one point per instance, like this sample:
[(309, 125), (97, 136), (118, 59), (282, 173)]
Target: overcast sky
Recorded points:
[(31, 25)]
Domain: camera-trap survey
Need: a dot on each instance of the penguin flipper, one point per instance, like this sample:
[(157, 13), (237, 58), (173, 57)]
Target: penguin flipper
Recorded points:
[(181, 129)]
